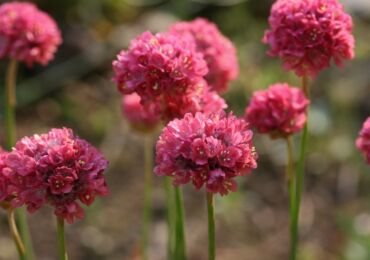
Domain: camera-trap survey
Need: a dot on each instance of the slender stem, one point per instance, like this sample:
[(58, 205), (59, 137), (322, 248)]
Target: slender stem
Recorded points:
[(147, 214), (15, 235), (299, 180), (211, 228), (10, 128), (180, 229), (62, 250), (291, 182), (170, 218)]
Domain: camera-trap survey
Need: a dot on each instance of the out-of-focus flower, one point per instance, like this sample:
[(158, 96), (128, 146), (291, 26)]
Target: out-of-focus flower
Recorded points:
[(141, 118), (308, 34), (209, 151), (219, 52), (280, 110), (56, 168), (27, 34), (363, 140)]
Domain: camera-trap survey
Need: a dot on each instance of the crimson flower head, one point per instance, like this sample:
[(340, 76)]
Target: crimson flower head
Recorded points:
[(281, 110), (27, 34), (56, 168), (308, 34), (206, 150), (219, 52), (140, 117), (363, 140)]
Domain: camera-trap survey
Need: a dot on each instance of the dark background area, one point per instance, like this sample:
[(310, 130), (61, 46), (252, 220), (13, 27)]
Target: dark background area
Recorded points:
[(75, 90)]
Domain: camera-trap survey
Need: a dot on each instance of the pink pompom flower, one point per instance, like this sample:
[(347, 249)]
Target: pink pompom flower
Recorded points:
[(308, 34), (140, 118), (164, 69), (219, 52), (281, 110), (208, 151), (56, 168), (363, 140), (27, 34)]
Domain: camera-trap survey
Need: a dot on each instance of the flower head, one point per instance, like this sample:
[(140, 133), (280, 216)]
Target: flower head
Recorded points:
[(140, 117), (161, 68), (308, 34), (209, 151), (27, 34), (56, 168), (219, 52), (363, 140), (280, 110)]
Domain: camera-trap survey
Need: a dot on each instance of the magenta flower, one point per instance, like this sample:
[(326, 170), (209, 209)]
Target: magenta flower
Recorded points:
[(56, 168), (308, 34), (140, 117), (219, 52), (209, 151), (27, 34), (280, 110), (161, 68), (363, 140)]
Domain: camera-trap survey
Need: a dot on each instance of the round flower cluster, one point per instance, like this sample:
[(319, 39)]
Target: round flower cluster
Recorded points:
[(307, 35), (280, 110), (141, 118), (363, 140), (57, 168), (219, 52), (27, 34), (209, 151)]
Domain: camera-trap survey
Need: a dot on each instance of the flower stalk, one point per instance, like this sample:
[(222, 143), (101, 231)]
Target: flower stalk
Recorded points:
[(62, 250), (15, 234), (299, 181), (211, 227), (147, 214), (11, 133), (180, 248), (169, 190)]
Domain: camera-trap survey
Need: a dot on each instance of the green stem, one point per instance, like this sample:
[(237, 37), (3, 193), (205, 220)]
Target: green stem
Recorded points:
[(211, 228), (170, 218), (10, 128), (15, 235), (147, 214), (291, 182), (299, 180), (180, 253), (61, 239)]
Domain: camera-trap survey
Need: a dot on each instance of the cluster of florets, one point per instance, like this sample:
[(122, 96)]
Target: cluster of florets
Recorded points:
[(281, 110), (308, 34), (206, 150), (218, 51), (363, 140), (56, 168), (27, 34)]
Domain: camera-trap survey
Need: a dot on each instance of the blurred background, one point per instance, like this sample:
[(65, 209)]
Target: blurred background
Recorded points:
[(75, 90)]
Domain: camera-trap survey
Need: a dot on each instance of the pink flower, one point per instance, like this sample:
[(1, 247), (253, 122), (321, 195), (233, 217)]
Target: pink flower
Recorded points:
[(161, 68), (308, 34), (209, 151), (56, 168), (27, 34), (211, 102), (280, 110), (140, 117), (219, 52), (363, 140)]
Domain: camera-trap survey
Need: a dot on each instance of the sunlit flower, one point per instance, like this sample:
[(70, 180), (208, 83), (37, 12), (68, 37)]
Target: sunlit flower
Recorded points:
[(219, 52), (27, 34), (363, 140), (56, 168), (308, 34), (208, 151), (280, 110)]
